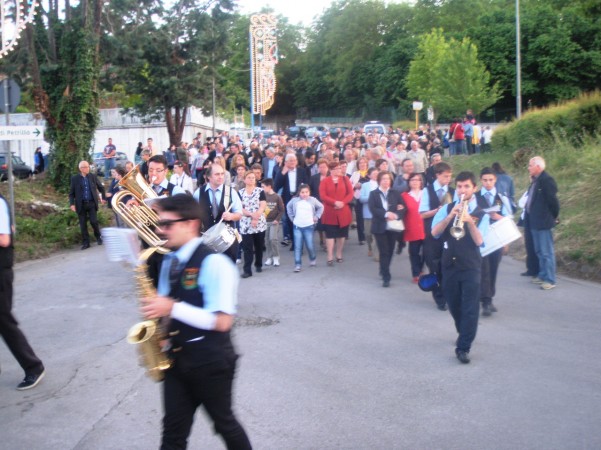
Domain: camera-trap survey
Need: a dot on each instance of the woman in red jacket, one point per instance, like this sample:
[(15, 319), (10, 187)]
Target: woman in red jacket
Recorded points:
[(414, 225), (336, 194)]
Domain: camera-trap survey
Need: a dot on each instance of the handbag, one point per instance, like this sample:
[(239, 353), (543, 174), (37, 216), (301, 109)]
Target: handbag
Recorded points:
[(395, 225)]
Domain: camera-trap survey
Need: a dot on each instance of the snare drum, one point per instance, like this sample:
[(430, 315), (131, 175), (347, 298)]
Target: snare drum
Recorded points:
[(219, 237)]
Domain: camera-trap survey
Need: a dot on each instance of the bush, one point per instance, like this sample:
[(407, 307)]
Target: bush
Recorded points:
[(540, 129)]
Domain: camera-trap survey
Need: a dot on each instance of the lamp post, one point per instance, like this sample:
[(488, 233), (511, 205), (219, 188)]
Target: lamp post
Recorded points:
[(518, 62)]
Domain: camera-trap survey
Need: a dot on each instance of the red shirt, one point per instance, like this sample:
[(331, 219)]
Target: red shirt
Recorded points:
[(414, 224)]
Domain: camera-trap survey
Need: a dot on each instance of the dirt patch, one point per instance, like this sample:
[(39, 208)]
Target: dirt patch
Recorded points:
[(35, 210)]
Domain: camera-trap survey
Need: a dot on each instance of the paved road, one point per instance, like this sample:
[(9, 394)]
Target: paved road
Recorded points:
[(330, 360)]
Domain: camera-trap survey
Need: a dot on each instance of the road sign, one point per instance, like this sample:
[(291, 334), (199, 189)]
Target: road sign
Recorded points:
[(21, 133), (418, 106), (430, 113), (14, 95)]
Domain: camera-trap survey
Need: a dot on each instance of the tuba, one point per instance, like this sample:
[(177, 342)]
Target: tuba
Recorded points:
[(140, 217), (149, 335)]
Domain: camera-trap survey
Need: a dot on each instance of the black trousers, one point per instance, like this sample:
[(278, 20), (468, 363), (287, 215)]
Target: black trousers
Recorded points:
[(10, 331), (488, 281), (88, 211), (462, 293), (252, 246), (360, 221), (416, 257), (210, 386), (432, 256), (386, 242)]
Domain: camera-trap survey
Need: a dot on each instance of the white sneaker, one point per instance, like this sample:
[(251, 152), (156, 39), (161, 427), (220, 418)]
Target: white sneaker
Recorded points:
[(313, 263), (238, 261), (268, 262), (297, 268), (276, 262)]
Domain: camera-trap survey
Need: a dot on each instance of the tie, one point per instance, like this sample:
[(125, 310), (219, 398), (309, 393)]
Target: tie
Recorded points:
[(440, 193), (157, 188), (214, 206), (489, 198), (173, 271)]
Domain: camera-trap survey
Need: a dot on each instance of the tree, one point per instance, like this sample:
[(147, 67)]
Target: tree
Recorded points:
[(63, 72), (448, 75), (172, 61)]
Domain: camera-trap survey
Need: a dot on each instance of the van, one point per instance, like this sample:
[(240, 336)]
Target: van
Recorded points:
[(374, 127)]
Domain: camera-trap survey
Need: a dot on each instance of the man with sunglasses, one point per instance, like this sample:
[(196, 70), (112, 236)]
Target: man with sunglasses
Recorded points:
[(197, 291)]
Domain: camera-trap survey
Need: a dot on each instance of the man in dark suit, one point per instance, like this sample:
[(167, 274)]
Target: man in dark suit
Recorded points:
[(542, 212), (289, 179), (84, 198)]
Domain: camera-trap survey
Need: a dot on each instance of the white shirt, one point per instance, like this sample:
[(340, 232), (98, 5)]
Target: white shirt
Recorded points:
[(4, 218), (183, 181)]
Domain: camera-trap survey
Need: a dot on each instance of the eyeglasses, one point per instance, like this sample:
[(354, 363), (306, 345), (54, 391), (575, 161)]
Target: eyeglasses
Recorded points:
[(156, 170), (169, 223)]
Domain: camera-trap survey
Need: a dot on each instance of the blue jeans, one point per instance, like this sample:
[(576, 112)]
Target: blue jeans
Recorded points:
[(303, 234), (109, 164), (543, 246)]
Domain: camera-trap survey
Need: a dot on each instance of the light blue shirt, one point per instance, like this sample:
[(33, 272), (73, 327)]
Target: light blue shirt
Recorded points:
[(4, 218), (366, 189), (217, 279), (234, 197), (424, 204), (483, 224)]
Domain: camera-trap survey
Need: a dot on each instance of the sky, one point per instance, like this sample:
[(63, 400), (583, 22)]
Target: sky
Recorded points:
[(296, 11)]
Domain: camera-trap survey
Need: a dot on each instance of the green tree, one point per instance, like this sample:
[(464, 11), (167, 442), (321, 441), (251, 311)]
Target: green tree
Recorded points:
[(62, 70), (447, 74), (168, 60)]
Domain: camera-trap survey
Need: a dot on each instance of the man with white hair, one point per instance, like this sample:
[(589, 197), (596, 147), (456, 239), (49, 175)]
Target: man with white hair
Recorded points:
[(541, 215), (289, 179), (420, 160)]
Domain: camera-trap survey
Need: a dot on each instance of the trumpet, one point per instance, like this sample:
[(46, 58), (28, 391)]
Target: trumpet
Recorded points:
[(457, 230)]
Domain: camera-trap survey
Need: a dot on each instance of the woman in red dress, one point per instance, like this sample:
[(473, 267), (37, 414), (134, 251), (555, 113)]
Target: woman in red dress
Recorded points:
[(414, 225), (336, 194)]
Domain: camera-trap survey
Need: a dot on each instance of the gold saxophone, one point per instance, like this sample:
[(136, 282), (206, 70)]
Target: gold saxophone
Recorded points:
[(149, 335)]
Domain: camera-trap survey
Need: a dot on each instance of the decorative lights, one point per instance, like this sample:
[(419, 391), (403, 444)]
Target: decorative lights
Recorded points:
[(264, 57), (14, 16)]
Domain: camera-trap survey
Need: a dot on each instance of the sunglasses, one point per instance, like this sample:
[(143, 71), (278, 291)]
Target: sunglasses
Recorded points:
[(169, 223)]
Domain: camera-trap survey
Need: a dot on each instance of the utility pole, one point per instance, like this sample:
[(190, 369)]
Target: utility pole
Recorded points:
[(518, 62)]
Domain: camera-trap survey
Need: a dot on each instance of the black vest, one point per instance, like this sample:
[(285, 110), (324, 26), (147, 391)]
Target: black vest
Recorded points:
[(434, 203), (204, 200), (7, 254), (168, 191), (483, 202), (213, 346), (459, 254)]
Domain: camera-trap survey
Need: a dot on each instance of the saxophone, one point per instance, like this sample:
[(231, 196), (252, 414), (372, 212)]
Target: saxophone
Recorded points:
[(149, 335)]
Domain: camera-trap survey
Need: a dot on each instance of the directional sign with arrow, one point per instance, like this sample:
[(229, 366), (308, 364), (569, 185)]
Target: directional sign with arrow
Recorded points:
[(21, 133)]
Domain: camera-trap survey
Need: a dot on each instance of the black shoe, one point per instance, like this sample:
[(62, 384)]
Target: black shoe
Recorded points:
[(85, 245), (246, 275), (463, 357), (292, 248), (99, 241), (528, 274), (31, 381), (258, 269), (386, 284), (285, 242), (493, 308), (486, 310), (442, 307)]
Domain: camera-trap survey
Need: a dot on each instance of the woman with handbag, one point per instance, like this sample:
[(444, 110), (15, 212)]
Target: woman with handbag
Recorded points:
[(388, 210), (336, 194)]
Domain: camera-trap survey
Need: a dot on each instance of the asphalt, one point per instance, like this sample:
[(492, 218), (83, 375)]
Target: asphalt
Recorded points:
[(329, 360)]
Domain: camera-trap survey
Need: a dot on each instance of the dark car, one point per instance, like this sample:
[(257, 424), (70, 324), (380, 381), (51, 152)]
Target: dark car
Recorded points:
[(20, 169), (296, 132), (97, 166)]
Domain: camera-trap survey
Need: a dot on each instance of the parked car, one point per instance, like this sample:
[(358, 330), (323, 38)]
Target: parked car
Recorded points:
[(374, 127), (321, 131), (20, 169), (297, 132), (97, 166)]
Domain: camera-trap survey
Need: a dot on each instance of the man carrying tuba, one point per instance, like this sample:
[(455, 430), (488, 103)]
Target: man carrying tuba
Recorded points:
[(197, 291)]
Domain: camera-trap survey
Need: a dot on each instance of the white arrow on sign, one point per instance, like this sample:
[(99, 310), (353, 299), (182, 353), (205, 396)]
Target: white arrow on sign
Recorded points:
[(21, 133)]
